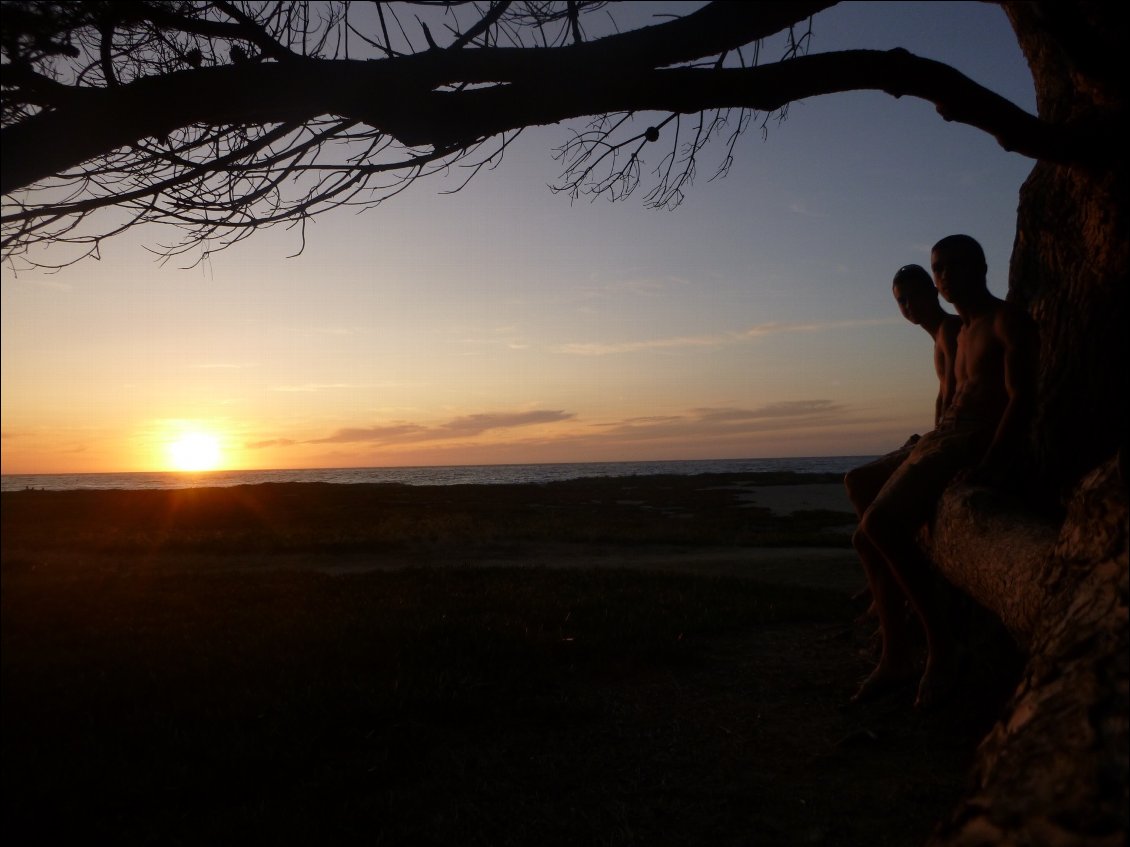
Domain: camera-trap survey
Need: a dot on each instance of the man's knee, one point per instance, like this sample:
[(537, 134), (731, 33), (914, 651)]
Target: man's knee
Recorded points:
[(860, 542), (877, 526), (860, 488)]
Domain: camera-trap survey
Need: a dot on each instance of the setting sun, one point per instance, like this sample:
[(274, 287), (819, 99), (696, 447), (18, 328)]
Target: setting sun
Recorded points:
[(195, 451)]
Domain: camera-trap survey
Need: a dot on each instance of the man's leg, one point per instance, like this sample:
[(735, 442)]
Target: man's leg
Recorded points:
[(896, 659), (891, 526), (894, 539), (863, 485)]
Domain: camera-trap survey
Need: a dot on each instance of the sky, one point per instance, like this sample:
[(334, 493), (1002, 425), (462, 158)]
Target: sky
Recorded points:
[(505, 324)]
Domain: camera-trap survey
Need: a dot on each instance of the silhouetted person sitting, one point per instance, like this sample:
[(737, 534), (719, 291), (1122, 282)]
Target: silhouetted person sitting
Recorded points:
[(979, 432), (917, 299)]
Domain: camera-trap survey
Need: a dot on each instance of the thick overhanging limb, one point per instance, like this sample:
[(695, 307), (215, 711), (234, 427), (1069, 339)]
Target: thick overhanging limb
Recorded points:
[(995, 551), (105, 120), (98, 121), (448, 117), (399, 96), (713, 29)]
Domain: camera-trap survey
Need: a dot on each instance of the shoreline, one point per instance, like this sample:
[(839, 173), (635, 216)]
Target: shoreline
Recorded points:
[(768, 527), (825, 485), (830, 467)]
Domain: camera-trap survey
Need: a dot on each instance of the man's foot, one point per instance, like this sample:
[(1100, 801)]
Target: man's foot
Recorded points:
[(887, 677), (872, 612), (938, 683)]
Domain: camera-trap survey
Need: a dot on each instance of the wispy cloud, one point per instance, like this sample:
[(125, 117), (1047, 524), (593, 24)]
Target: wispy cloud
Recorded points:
[(800, 207), (784, 409), (466, 426), (505, 337), (478, 424), (271, 442), (631, 283), (724, 421), (50, 284), (598, 348), (382, 434), (225, 366), (315, 386), (722, 430), (726, 427), (320, 330)]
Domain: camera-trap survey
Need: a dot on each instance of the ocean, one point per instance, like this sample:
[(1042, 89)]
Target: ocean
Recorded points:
[(448, 475)]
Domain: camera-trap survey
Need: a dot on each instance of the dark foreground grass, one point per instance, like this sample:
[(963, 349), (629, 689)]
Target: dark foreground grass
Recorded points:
[(455, 707), (707, 509)]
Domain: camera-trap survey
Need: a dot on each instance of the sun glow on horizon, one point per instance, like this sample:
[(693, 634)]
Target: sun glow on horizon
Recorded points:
[(195, 451)]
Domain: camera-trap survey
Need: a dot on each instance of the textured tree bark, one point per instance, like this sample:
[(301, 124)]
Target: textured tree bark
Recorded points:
[(1054, 769), (1069, 268), (1071, 256), (995, 551)]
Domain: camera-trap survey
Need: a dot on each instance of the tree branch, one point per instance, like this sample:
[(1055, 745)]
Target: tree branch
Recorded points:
[(397, 96), (446, 116), (244, 28), (483, 25), (1053, 769), (81, 125), (256, 34)]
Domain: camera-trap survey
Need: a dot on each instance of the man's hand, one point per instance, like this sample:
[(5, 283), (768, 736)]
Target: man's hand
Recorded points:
[(996, 473), (983, 475)]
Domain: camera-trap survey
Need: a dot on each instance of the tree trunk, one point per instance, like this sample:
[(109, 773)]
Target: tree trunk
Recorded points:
[(1069, 268), (1054, 770), (1071, 256)]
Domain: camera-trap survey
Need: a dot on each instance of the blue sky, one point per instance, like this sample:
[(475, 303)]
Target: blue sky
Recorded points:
[(505, 324)]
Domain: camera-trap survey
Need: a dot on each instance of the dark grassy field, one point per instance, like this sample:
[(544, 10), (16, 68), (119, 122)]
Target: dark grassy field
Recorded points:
[(144, 704), (701, 510)]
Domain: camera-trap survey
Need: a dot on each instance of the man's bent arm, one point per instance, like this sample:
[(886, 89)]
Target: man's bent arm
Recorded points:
[(947, 386), (1017, 336)]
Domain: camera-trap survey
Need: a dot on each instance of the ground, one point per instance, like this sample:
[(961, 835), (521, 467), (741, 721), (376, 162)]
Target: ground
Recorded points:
[(579, 664)]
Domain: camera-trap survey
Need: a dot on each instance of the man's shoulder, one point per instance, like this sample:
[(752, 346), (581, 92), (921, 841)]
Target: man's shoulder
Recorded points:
[(995, 315), (948, 329), (1010, 317)]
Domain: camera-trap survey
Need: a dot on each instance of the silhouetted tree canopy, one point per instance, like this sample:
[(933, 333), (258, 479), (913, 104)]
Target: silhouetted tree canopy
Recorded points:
[(222, 117)]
